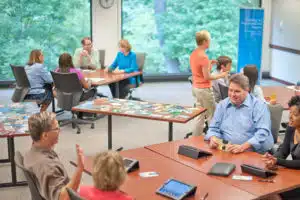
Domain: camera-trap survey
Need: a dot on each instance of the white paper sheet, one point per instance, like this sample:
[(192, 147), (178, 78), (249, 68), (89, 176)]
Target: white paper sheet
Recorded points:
[(95, 79), (292, 87)]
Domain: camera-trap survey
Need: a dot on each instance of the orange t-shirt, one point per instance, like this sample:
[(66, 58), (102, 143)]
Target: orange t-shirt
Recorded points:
[(197, 62)]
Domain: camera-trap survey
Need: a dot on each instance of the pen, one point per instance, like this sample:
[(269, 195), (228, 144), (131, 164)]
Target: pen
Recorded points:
[(267, 180), (205, 196)]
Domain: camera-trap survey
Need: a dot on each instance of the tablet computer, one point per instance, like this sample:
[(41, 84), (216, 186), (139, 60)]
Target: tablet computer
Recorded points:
[(176, 190)]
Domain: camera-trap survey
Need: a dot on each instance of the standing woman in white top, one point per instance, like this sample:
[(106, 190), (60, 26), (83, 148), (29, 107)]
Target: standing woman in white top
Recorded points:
[(252, 73)]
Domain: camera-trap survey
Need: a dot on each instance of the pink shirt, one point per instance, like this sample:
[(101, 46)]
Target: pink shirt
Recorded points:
[(92, 193), (73, 70)]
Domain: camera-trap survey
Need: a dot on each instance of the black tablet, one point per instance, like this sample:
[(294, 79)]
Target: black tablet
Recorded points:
[(175, 189)]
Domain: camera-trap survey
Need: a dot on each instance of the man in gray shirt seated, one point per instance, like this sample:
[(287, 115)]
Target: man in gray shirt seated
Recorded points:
[(223, 65), (43, 162)]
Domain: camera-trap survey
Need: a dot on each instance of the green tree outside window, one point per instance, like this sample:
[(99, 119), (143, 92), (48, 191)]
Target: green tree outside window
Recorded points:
[(165, 30), (54, 26)]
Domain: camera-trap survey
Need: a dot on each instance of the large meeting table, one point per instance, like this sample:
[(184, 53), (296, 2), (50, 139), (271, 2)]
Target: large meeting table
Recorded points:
[(286, 179), (14, 124), (100, 77), (145, 188), (139, 109)]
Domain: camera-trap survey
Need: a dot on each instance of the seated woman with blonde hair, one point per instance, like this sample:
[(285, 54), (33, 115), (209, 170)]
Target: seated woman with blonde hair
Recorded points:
[(125, 62), (108, 175), (40, 80)]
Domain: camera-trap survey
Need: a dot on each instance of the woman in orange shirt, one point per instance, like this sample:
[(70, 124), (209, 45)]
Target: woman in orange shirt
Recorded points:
[(202, 77)]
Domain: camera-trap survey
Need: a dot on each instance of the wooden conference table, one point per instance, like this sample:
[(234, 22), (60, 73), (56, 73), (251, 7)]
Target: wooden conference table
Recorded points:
[(283, 94), (139, 109), (287, 179), (144, 188), (14, 123), (99, 77)]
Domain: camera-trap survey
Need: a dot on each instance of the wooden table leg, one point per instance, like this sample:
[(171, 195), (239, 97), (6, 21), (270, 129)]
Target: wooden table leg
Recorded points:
[(109, 132), (170, 131), (11, 152)]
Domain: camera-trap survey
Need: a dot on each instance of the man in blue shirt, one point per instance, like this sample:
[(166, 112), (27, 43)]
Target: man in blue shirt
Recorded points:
[(241, 119)]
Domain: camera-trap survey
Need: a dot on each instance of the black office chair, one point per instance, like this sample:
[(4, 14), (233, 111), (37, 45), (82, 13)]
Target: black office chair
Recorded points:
[(23, 87), (190, 78), (223, 91), (35, 194), (140, 59), (102, 58), (69, 91), (22, 84), (73, 195)]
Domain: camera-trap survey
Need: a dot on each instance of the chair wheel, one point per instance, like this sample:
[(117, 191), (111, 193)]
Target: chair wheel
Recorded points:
[(92, 126)]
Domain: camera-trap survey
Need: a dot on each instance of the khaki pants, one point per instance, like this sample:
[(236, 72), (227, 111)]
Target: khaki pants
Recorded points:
[(205, 99)]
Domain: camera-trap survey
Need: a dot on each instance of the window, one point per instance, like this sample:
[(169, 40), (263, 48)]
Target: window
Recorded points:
[(53, 26), (165, 30)]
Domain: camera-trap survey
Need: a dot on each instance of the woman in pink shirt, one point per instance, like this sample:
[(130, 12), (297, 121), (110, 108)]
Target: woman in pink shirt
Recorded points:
[(108, 175), (66, 66)]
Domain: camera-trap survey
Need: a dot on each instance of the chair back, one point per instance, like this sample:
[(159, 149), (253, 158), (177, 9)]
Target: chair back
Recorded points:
[(276, 112), (35, 195), (73, 195), (22, 83), (68, 89), (102, 58), (140, 60), (190, 78), (223, 91)]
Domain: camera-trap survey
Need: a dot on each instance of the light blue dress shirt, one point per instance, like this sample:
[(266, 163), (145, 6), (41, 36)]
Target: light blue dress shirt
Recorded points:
[(250, 123), (127, 63), (37, 75)]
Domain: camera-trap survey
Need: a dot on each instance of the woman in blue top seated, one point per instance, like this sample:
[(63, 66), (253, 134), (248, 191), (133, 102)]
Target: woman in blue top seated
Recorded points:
[(40, 80), (125, 62)]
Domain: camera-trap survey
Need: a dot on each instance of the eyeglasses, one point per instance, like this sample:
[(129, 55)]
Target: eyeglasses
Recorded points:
[(54, 130), (90, 44)]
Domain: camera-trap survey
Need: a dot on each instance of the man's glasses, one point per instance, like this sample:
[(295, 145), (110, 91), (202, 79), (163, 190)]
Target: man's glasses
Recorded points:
[(55, 130)]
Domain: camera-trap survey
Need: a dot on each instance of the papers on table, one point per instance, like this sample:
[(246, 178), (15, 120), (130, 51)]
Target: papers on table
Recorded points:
[(292, 87), (87, 70), (95, 79)]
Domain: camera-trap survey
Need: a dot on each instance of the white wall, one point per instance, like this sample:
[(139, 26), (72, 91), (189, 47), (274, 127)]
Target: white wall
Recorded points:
[(107, 29), (285, 32), (265, 63)]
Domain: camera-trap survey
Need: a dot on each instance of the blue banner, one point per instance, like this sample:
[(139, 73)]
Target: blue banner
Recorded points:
[(250, 38)]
